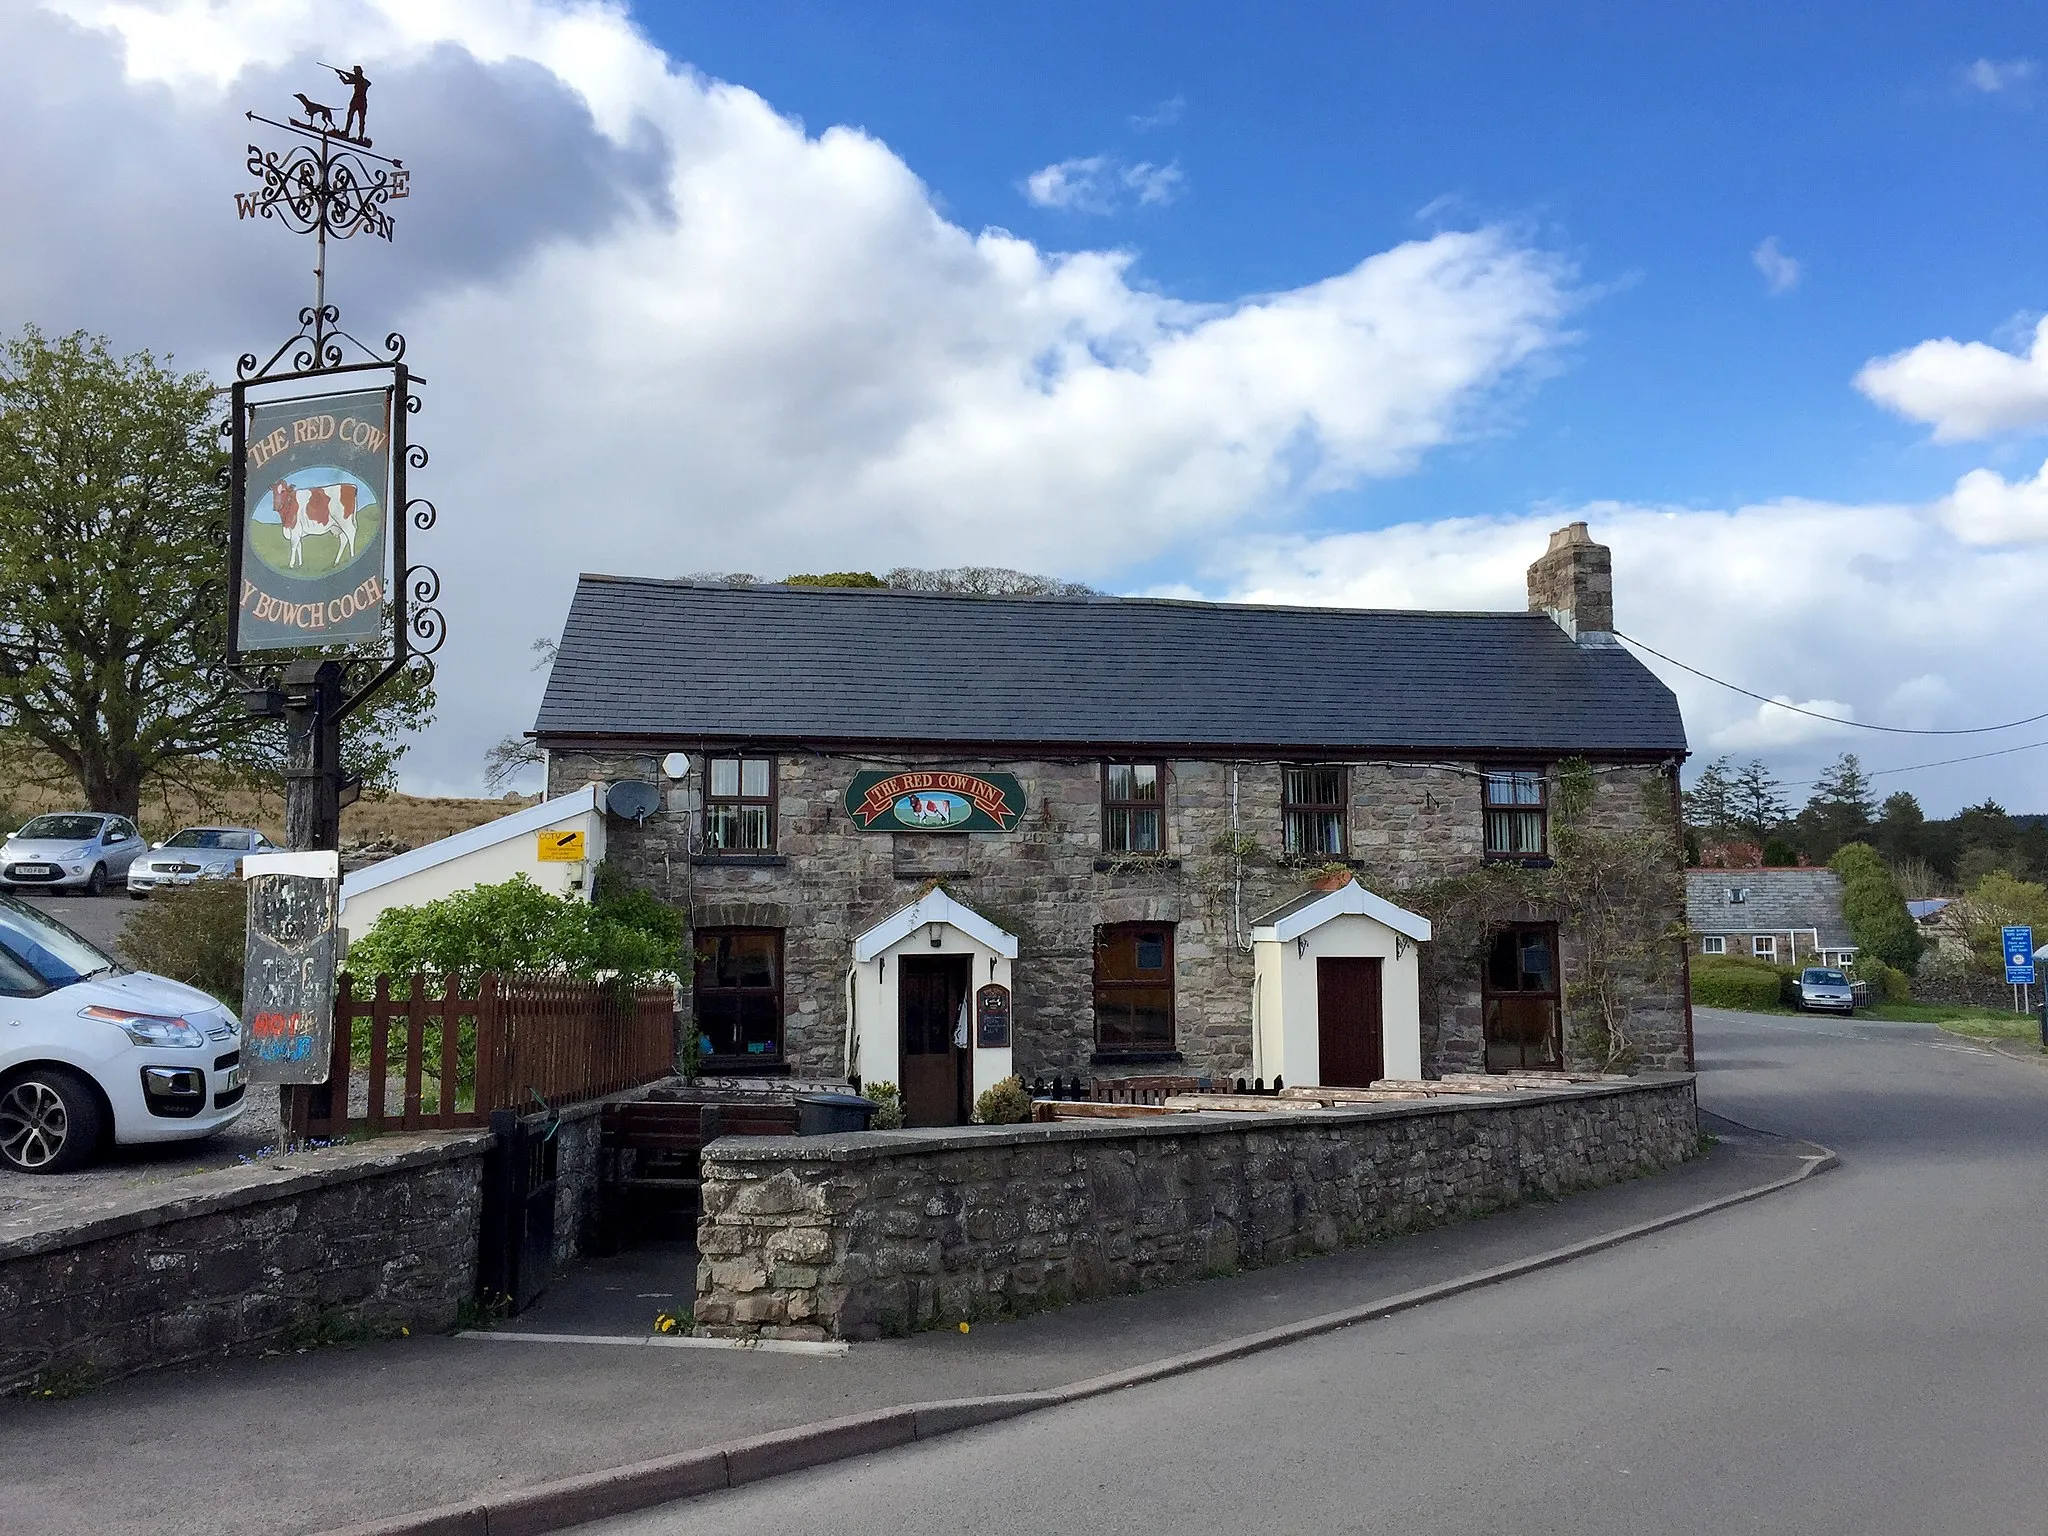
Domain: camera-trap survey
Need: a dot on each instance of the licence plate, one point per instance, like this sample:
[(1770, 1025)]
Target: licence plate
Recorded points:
[(234, 1080), (34, 869)]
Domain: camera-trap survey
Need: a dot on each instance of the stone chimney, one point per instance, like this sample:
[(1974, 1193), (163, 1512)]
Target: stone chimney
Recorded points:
[(1573, 582)]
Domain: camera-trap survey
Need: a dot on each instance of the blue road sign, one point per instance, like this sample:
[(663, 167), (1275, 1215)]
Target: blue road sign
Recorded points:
[(2019, 956)]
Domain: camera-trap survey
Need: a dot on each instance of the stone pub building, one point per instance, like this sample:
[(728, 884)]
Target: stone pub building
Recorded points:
[(936, 839)]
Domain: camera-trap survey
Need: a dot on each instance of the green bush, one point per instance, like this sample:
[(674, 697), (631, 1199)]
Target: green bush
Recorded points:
[(1005, 1104), (1888, 984), (888, 1106), (195, 934), (1876, 910), (1734, 983), (516, 928)]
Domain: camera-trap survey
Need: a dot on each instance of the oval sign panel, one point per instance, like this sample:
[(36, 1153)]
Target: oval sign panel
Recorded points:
[(933, 811), (934, 800)]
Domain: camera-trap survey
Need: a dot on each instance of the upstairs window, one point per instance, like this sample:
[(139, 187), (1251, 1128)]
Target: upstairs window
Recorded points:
[(739, 805), (1133, 810), (1312, 809), (1737, 895), (1516, 814), (1134, 987)]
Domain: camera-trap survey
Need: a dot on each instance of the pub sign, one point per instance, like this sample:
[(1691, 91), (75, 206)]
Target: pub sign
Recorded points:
[(935, 800), (315, 484)]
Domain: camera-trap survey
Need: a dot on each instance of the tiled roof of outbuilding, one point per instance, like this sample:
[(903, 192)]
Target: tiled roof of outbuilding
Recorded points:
[(658, 660)]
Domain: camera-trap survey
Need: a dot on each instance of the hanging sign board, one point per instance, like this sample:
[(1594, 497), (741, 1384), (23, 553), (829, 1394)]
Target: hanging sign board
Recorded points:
[(289, 964), (935, 800), (561, 847), (315, 486), (2019, 956), (992, 1018)]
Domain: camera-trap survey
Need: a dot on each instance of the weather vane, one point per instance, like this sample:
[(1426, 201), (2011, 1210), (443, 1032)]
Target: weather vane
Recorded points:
[(335, 185)]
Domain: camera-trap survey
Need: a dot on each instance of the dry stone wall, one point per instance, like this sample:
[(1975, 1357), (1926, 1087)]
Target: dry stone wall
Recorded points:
[(1050, 883), (886, 1232)]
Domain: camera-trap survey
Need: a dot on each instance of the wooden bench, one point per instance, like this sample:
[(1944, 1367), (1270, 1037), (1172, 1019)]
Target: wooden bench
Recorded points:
[(649, 1173)]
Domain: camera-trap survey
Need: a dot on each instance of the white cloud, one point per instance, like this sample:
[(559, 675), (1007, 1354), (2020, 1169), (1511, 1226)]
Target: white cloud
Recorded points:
[(1963, 389), (689, 335), (1781, 272), (1875, 612), (1987, 508), (1995, 76), (1100, 184), (1165, 115)]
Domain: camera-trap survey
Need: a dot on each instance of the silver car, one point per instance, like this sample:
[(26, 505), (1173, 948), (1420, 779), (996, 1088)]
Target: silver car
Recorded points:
[(197, 853), (1827, 991), (70, 850)]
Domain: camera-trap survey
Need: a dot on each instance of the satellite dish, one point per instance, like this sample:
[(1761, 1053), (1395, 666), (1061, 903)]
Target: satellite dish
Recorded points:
[(676, 764), (633, 799)]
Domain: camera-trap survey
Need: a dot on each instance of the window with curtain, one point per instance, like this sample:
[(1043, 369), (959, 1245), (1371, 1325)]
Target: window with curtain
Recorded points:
[(1133, 808), (738, 995), (1134, 987), (1312, 809), (739, 805), (1516, 814)]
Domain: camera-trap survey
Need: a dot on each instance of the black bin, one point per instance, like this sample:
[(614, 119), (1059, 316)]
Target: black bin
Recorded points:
[(822, 1114)]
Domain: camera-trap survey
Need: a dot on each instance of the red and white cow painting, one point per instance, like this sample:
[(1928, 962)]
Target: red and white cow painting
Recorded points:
[(309, 511)]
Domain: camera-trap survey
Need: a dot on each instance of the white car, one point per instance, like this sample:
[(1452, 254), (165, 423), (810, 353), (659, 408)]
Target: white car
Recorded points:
[(92, 1054), (197, 853), (75, 850)]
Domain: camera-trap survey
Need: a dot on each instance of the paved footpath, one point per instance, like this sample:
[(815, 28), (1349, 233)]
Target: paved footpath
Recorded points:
[(311, 1441)]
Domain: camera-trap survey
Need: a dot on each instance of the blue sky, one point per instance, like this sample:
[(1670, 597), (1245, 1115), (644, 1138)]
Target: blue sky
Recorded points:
[(1655, 145), (1318, 303)]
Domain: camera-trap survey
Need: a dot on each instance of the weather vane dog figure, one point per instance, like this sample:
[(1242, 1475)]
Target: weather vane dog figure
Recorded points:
[(316, 114)]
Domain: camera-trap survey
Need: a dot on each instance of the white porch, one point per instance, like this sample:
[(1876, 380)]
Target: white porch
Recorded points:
[(1336, 990)]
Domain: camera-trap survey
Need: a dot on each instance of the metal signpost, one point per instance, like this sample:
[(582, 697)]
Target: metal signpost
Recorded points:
[(324, 606), (2019, 963)]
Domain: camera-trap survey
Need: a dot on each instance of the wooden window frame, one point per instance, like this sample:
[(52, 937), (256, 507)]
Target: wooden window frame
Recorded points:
[(744, 1061), (1489, 808), (1553, 995), (1113, 985), (768, 801), (1340, 808), (1156, 806)]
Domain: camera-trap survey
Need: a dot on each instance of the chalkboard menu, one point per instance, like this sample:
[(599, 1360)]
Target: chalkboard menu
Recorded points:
[(992, 1017)]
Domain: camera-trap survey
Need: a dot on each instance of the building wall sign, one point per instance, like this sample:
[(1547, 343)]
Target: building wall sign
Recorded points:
[(316, 479), (992, 1018), (935, 801)]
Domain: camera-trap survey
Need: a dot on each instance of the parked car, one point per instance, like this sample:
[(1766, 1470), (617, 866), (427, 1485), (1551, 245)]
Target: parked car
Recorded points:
[(197, 853), (70, 850), (1826, 991), (93, 1054)]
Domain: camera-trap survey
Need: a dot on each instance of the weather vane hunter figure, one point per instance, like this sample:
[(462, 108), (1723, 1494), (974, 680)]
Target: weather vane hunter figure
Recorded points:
[(355, 123)]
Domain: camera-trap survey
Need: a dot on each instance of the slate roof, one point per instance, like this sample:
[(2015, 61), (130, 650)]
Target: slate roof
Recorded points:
[(647, 660), (1779, 901)]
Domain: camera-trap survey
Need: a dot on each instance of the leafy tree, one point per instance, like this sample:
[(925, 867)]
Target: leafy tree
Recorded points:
[(1839, 810), (113, 558), (511, 756), (1901, 829), (1875, 909), (1997, 901), (1779, 853), (985, 581), (516, 928), (1757, 802), (836, 579)]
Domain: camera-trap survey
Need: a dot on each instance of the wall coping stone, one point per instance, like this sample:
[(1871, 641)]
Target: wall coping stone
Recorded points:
[(877, 1146), (225, 1189)]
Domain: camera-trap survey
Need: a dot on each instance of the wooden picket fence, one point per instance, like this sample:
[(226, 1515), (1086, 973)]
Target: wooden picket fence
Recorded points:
[(437, 1057)]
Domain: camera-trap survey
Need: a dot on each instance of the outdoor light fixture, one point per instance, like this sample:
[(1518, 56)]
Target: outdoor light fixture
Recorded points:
[(931, 931)]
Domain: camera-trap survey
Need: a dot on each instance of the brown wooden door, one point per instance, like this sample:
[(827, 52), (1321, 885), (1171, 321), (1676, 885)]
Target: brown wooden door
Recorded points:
[(929, 991), (1349, 1035)]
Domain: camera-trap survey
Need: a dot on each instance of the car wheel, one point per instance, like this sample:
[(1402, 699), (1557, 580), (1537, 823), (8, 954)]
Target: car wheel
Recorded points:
[(96, 882), (50, 1122)]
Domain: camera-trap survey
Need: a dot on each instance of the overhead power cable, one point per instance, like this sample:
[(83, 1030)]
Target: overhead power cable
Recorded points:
[(1814, 714), (1975, 757)]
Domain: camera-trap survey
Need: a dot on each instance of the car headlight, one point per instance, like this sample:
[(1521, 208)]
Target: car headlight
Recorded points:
[(149, 1028)]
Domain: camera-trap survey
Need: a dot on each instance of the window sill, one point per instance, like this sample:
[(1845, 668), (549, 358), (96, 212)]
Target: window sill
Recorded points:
[(741, 860), (1115, 1058), (1526, 860), (1113, 863), (741, 1066)]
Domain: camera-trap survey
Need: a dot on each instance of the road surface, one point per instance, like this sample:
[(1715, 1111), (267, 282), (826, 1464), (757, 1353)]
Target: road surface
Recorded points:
[(1864, 1354)]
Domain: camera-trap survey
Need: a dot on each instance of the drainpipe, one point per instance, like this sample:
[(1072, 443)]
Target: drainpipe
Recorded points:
[(1684, 944), (852, 1026), (1237, 934)]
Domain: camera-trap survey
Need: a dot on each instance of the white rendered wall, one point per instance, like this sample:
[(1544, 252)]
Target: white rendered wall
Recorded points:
[(879, 1024), (1286, 977), (490, 865)]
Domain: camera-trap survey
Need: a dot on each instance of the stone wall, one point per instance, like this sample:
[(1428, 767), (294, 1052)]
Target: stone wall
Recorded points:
[(885, 1232), (373, 1237), (1050, 884)]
